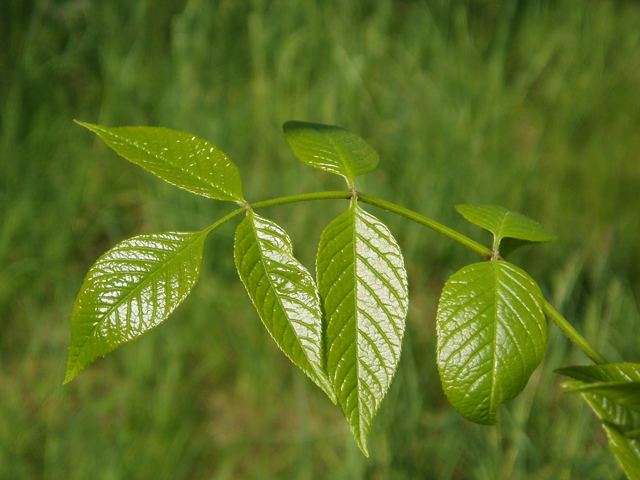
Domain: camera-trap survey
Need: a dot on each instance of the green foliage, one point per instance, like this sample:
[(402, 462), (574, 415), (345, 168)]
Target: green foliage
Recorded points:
[(492, 335), (346, 332), (332, 149), (513, 227), (131, 289), (284, 294), (516, 104), (181, 159), (363, 286), (613, 392)]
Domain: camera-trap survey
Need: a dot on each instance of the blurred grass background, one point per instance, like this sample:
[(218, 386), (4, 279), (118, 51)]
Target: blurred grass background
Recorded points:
[(533, 105)]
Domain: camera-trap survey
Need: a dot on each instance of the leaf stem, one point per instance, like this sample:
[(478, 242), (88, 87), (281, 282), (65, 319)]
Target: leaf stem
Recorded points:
[(486, 252), (223, 220), (301, 198), (573, 334), (404, 212), (427, 222)]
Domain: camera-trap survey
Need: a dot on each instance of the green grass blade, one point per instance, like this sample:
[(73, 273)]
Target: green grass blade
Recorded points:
[(332, 149), (182, 159), (516, 229), (492, 335), (131, 289), (363, 286), (611, 390), (284, 294)]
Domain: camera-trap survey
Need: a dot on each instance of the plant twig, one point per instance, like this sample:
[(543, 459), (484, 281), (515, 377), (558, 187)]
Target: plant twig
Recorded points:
[(573, 334)]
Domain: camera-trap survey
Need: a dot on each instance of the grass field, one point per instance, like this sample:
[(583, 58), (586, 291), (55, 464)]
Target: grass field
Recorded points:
[(533, 105)]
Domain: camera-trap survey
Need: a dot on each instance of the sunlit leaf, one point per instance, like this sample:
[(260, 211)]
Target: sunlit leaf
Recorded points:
[(363, 287), (131, 289), (492, 335), (284, 294), (612, 392), (514, 228), (332, 149), (182, 159)]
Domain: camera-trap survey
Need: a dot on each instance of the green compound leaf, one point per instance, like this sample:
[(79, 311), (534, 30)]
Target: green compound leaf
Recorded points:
[(130, 290), (284, 294), (182, 159), (492, 335), (516, 229), (363, 287), (332, 149), (612, 392)]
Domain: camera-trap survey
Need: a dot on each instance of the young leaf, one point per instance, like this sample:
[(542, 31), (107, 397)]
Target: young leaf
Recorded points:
[(363, 287), (131, 289), (602, 386), (332, 149), (492, 335), (182, 159), (515, 228), (284, 294)]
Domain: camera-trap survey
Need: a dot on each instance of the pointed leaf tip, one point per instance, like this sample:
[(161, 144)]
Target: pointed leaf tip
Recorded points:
[(332, 149), (284, 294), (131, 289), (363, 287), (179, 158)]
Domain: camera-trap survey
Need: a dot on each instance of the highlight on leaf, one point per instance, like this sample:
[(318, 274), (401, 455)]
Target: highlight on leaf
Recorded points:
[(284, 294), (363, 287), (346, 331), (131, 289), (492, 335), (332, 149), (179, 158)]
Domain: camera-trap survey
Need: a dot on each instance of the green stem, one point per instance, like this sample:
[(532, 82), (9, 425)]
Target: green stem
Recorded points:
[(223, 220), (573, 334), (301, 198), (558, 319), (427, 222), (404, 212)]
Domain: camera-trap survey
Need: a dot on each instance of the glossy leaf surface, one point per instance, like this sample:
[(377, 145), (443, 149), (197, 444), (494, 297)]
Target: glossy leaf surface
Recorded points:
[(615, 405), (363, 287), (517, 229), (492, 335), (131, 289), (182, 159), (284, 294), (332, 149)]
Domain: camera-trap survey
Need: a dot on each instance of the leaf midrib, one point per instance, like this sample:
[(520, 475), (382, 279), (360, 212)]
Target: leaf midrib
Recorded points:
[(262, 262), (192, 175), (495, 336), (347, 173), (354, 214), (133, 290)]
